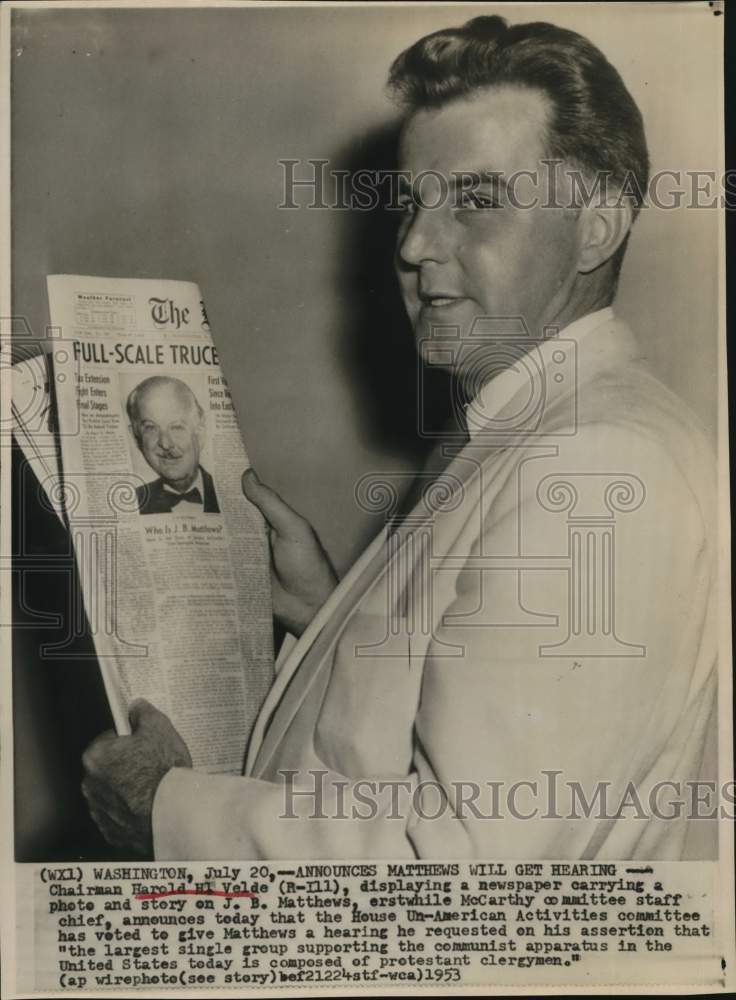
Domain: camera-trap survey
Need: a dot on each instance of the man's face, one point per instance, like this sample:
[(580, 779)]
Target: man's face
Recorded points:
[(169, 431), (479, 254)]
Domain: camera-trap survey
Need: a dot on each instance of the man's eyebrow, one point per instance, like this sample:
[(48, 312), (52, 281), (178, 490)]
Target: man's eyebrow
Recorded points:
[(484, 175), (458, 180)]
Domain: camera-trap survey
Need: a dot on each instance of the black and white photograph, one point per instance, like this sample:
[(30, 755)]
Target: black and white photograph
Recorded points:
[(459, 641)]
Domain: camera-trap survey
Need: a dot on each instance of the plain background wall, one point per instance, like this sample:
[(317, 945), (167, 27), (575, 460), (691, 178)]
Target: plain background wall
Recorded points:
[(145, 144)]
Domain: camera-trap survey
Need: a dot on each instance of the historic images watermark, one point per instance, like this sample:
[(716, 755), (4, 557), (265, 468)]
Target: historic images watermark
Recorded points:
[(314, 184), (318, 794)]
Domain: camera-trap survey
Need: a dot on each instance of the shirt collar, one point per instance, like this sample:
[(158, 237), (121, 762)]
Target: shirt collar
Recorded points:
[(501, 388), (197, 484)]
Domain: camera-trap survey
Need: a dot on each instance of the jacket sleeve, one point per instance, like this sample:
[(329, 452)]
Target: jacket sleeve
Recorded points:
[(500, 715)]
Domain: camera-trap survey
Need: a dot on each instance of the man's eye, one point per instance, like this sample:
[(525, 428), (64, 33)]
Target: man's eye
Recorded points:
[(475, 200), (407, 205)]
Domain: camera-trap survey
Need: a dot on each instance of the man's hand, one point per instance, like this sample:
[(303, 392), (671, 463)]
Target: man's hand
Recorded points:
[(302, 577), (122, 774)]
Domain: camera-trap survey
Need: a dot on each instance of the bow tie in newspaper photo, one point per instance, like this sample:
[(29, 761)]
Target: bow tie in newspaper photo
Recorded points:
[(170, 500)]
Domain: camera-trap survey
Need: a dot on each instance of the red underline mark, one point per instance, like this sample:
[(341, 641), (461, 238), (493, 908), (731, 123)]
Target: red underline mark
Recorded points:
[(196, 892)]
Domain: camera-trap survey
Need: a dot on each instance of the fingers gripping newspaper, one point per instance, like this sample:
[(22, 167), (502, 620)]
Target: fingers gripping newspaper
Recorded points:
[(173, 559)]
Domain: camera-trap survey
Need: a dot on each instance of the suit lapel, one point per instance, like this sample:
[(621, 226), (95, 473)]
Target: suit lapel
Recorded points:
[(261, 747), (210, 505)]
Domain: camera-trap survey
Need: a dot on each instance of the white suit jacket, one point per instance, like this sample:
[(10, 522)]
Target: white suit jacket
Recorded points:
[(544, 618)]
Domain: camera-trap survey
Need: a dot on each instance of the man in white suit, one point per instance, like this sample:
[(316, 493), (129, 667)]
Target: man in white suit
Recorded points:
[(543, 614)]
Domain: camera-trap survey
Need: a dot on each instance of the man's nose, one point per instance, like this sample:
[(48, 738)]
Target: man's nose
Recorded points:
[(164, 440), (426, 238)]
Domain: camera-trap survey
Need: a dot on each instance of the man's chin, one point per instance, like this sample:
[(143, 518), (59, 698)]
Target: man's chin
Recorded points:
[(439, 345)]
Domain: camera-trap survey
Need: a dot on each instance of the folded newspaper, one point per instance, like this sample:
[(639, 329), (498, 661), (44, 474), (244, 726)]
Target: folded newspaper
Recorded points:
[(130, 428)]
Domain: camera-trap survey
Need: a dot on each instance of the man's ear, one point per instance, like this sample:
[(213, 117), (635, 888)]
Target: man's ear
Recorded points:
[(603, 230)]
